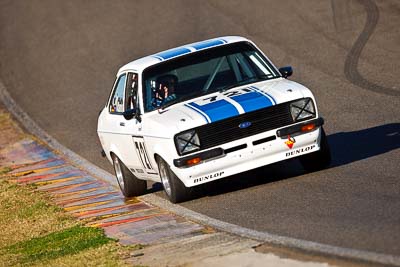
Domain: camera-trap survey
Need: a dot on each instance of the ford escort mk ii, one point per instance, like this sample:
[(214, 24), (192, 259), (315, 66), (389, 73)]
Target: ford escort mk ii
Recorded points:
[(205, 111)]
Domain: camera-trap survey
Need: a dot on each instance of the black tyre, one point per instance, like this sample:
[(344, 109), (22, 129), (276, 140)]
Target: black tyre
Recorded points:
[(173, 187), (320, 159), (127, 181)]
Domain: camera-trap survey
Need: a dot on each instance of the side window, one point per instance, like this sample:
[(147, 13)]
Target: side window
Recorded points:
[(117, 100), (131, 91)]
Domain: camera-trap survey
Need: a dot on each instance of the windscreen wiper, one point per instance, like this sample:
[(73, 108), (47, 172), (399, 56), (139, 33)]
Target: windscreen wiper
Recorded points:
[(180, 99), (242, 82)]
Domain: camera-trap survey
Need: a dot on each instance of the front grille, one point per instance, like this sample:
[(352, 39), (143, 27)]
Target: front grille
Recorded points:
[(228, 130)]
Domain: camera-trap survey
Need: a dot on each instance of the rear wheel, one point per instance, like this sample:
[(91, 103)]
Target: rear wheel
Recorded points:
[(128, 183), (320, 159), (173, 187)]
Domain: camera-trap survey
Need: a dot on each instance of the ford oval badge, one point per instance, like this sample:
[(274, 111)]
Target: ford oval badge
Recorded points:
[(244, 125)]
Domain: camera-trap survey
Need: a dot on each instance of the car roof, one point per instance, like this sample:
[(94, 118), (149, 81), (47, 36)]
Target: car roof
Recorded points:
[(144, 62)]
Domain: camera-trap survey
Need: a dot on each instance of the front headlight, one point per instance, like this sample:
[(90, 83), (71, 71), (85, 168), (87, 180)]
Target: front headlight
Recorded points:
[(187, 142), (302, 109)]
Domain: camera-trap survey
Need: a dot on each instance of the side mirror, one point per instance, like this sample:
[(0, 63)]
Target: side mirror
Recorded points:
[(286, 71), (129, 114)]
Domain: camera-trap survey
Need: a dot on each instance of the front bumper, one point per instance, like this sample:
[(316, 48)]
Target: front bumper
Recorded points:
[(249, 153)]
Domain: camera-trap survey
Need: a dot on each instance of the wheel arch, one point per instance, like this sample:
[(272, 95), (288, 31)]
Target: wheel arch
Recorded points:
[(114, 151), (160, 151), (157, 157)]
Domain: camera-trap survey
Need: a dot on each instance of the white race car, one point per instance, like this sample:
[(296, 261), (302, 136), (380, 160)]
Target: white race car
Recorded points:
[(204, 111)]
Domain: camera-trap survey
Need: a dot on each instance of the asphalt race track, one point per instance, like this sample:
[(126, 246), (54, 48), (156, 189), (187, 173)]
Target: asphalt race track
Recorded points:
[(58, 60)]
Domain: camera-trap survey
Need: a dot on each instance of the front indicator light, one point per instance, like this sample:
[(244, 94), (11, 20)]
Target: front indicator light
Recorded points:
[(198, 158), (193, 161), (301, 127), (308, 127)]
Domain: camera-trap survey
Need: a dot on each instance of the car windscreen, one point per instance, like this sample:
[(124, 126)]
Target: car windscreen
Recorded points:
[(204, 72)]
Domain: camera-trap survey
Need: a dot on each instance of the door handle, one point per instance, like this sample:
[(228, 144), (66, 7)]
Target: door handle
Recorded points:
[(122, 124)]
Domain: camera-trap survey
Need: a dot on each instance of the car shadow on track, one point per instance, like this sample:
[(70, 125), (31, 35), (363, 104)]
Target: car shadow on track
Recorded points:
[(346, 147), (349, 147)]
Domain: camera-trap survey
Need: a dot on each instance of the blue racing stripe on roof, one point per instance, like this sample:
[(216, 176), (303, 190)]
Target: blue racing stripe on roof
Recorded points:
[(253, 101), (207, 44), (172, 53), (217, 110), (157, 57)]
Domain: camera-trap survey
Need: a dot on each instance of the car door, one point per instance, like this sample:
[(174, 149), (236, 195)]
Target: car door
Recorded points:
[(121, 130), (141, 164)]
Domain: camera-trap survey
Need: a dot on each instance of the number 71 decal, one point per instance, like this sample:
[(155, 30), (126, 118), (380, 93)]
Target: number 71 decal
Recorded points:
[(142, 154)]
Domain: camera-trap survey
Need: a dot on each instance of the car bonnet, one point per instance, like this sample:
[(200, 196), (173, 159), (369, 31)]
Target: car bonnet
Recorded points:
[(222, 105)]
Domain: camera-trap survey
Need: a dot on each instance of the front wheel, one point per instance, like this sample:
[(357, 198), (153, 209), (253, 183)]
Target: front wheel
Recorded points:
[(173, 187), (318, 160), (128, 183)]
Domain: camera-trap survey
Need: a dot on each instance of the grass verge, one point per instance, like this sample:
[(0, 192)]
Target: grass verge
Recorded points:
[(35, 232)]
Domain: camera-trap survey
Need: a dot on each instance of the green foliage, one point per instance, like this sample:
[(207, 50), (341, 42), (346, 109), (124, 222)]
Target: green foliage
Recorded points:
[(66, 242), (35, 232)]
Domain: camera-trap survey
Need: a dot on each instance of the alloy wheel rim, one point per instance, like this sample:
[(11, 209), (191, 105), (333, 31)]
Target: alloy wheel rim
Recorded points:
[(164, 179), (118, 173)]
